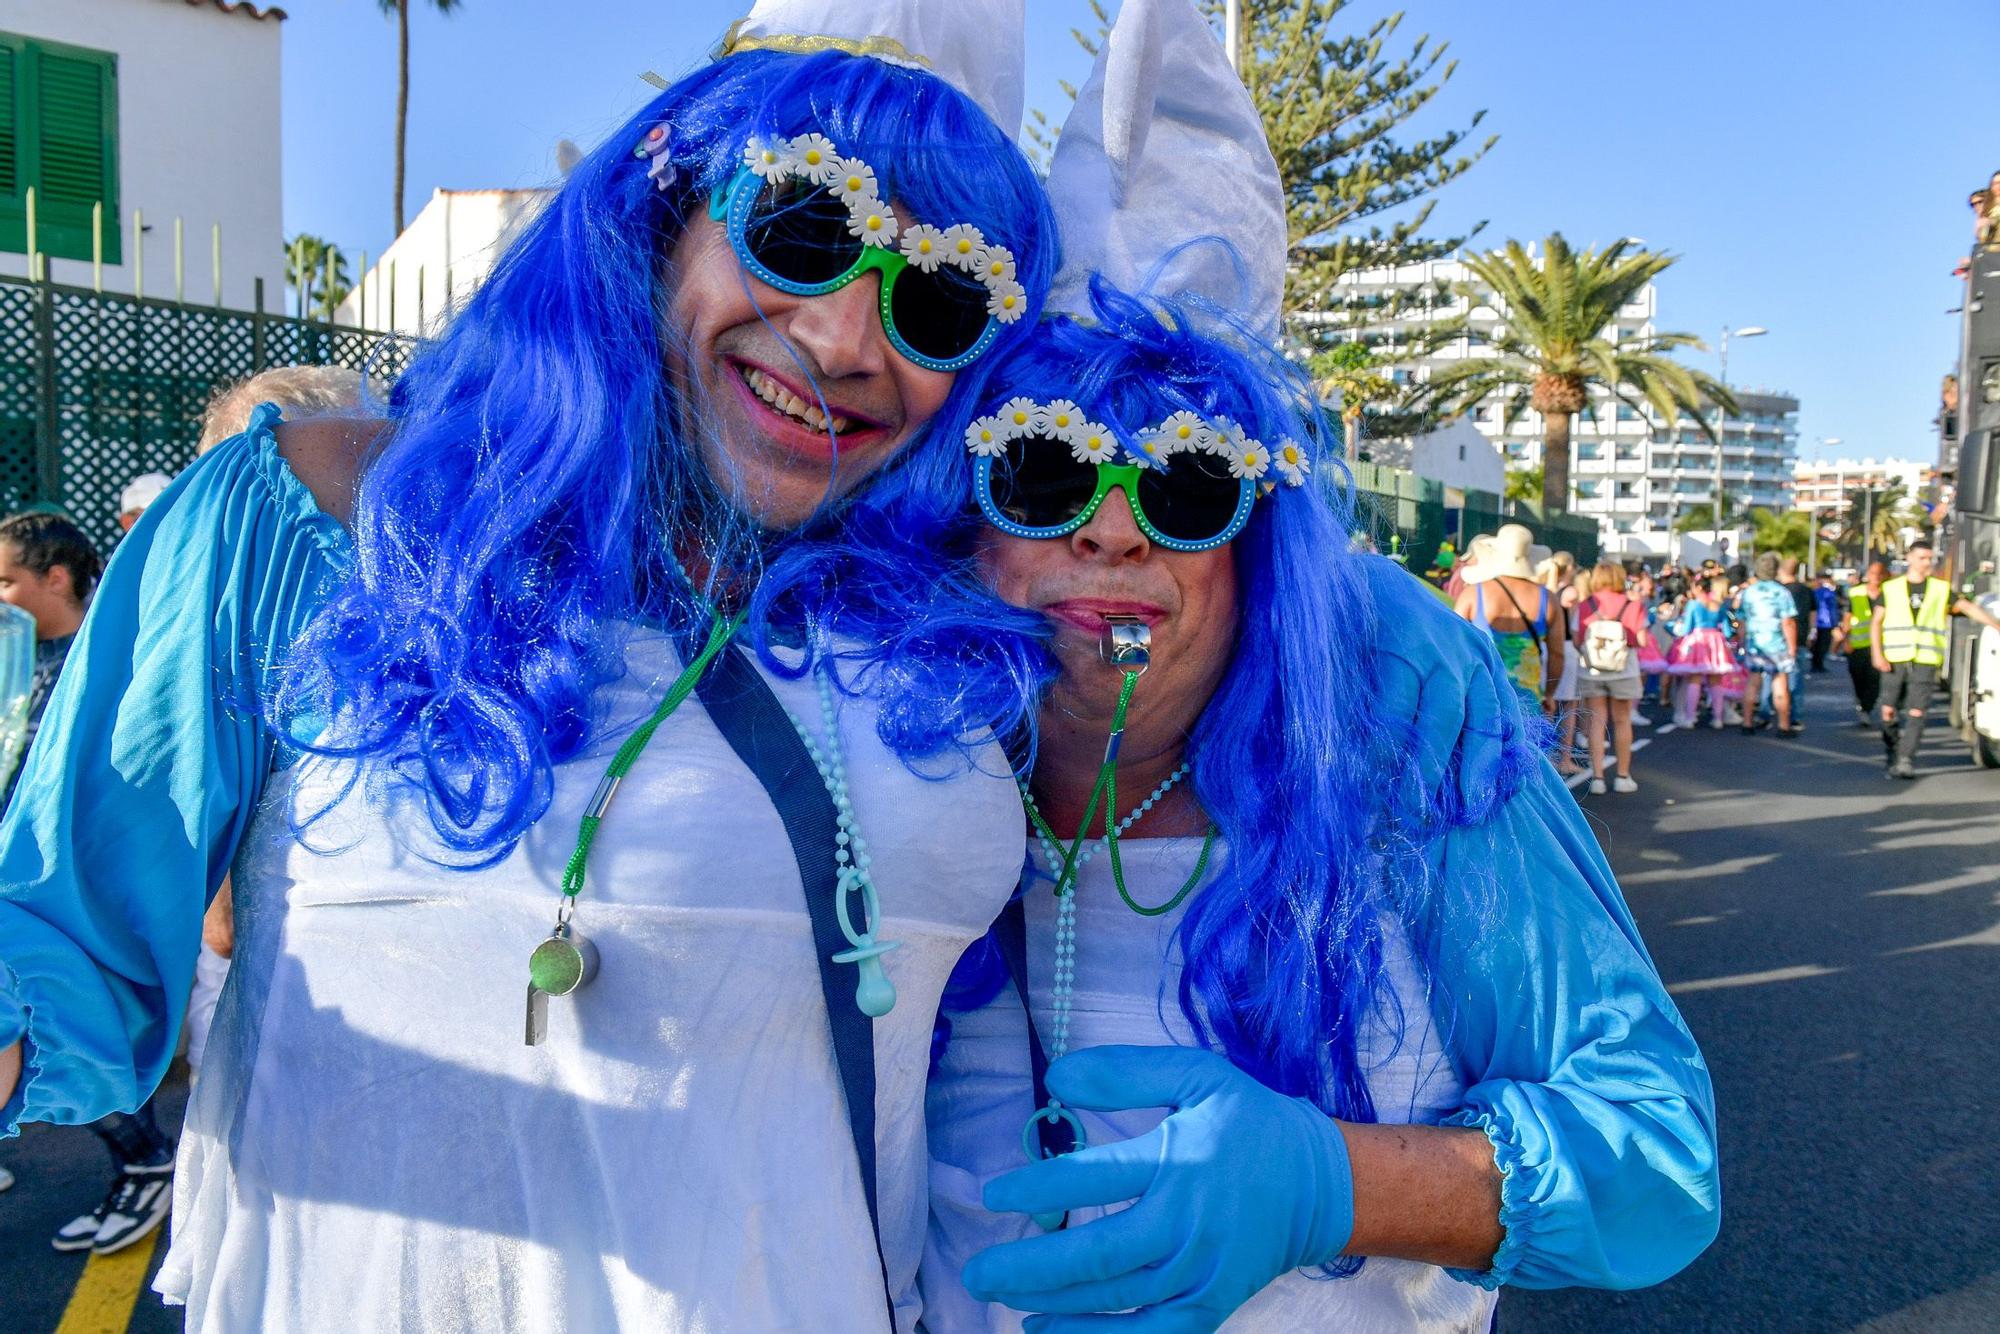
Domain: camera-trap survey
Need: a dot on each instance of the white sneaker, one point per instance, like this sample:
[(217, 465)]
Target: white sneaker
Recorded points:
[(1597, 787), (6, 1179), (144, 1195), (1624, 784), (1640, 720)]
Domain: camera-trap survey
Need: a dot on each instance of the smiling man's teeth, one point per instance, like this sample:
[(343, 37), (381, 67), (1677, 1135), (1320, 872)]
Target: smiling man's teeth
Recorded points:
[(776, 395)]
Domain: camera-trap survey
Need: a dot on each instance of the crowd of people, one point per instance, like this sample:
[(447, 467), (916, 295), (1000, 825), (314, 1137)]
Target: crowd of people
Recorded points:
[(1722, 646), (842, 617)]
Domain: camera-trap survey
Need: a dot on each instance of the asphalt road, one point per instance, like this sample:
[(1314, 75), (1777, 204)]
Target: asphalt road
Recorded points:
[(1834, 941)]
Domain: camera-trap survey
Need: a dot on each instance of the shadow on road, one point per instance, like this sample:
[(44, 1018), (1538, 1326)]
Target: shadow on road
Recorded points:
[(1830, 936)]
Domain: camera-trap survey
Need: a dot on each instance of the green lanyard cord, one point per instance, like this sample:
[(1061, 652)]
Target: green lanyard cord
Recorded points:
[(1106, 789), (720, 632)]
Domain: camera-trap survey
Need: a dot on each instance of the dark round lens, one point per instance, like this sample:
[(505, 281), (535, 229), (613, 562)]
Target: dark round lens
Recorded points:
[(798, 231), (939, 314), (1038, 483), (1192, 499)]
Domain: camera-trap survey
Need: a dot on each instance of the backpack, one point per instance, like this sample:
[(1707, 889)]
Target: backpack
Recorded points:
[(1607, 646)]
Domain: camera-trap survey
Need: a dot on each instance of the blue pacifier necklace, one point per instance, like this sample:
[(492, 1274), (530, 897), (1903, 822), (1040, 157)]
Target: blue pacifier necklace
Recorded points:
[(1128, 647)]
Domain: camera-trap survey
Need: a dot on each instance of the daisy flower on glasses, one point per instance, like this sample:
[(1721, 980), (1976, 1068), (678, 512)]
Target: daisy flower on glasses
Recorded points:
[(872, 221), (1249, 459), (1182, 432), (771, 160), (1291, 463), (1092, 443), (963, 245), (854, 181), (1064, 420), (986, 437), (813, 157), (923, 246), (1007, 301), (1021, 416), (994, 264), (1150, 452)]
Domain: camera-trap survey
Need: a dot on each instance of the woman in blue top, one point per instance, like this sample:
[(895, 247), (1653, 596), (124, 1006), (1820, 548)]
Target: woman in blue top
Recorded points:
[(1314, 921), (1359, 994)]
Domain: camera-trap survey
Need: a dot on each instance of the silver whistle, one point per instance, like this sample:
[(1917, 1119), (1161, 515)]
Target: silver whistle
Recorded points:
[(1127, 643)]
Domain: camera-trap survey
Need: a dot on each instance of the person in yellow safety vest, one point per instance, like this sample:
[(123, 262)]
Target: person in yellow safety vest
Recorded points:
[(1855, 637), (1910, 639)]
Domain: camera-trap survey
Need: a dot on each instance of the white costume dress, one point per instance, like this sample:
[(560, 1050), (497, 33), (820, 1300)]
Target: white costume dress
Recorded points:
[(1127, 969), (372, 1147)]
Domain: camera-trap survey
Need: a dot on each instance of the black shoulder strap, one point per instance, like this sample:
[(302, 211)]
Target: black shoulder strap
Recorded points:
[(757, 728)]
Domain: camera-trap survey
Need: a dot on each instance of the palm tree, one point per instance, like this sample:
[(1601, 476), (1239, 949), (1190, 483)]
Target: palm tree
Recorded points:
[(316, 269), (1879, 516), (1550, 347), (1698, 519), (1347, 372), (1787, 532), (401, 9), (1524, 483)]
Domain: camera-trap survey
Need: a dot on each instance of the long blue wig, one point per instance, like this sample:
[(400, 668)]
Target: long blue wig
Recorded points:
[(1311, 783), (535, 493)]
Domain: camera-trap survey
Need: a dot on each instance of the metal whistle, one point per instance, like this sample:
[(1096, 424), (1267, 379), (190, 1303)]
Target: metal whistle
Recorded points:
[(1127, 643), (560, 965)]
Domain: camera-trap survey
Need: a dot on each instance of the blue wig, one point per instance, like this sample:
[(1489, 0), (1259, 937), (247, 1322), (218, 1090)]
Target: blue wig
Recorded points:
[(535, 492), (1320, 796)]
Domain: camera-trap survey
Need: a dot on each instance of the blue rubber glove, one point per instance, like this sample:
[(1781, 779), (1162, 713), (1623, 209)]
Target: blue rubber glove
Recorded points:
[(1235, 1188)]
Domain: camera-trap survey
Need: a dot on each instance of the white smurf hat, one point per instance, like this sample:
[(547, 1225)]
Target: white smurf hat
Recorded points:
[(1162, 180), (977, 46)]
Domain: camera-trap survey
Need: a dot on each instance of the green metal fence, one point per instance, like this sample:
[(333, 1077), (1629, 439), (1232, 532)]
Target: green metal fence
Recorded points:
[(1411, 516), (96, 388)]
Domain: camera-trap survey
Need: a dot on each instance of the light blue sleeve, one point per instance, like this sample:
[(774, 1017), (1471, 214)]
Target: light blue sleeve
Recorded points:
[(152, 755), (1577, 1066)]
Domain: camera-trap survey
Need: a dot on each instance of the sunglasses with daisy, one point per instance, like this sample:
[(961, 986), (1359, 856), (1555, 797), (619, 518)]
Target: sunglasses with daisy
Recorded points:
[(807, 220), (1044, 469)]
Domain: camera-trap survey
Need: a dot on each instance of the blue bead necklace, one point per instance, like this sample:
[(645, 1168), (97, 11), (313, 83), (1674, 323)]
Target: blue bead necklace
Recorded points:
[(873, 992), (1129, 652)]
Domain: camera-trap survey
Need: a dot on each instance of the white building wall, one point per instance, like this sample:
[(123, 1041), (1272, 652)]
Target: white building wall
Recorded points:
[(1458, 455), (198, 115), (442, 256), (1825, 484)]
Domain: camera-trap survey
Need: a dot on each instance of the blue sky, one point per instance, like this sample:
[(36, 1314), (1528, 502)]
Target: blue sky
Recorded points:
[(1809, 159)]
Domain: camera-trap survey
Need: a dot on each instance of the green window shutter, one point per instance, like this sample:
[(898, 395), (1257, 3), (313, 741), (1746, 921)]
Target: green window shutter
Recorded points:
[(10, 158), (13, 222), (74, 109), (62, 123)]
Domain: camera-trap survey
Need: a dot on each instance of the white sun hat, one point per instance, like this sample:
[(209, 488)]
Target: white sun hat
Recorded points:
[(1507, 555), (977, 46), (1162, 180)]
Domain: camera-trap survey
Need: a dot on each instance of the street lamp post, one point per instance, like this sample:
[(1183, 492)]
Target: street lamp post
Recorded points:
[(1722, 421), (1812, 515), (1232, 32)]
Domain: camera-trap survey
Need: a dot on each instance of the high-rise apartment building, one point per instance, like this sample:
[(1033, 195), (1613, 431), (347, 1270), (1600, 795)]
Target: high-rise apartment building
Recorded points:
[(1824, 486), (1634, 473)]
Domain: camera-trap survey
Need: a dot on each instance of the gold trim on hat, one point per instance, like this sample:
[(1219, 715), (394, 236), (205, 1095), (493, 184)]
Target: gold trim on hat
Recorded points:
[(802, 44)]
